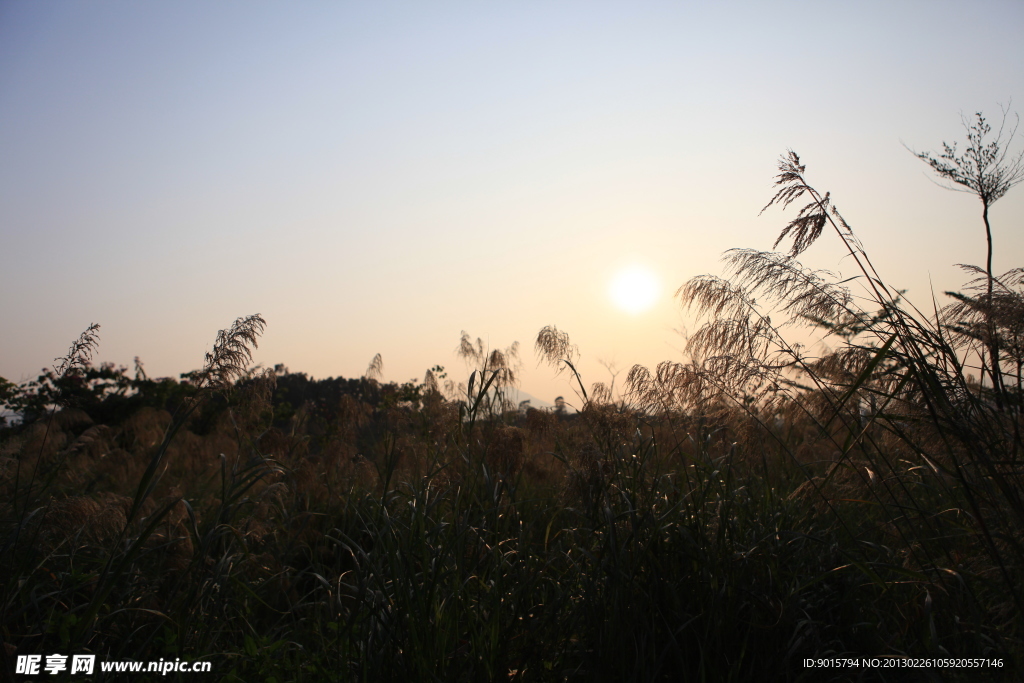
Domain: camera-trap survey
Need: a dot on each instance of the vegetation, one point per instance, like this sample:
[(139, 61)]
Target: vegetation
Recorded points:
[(988, 170), (722, 520)]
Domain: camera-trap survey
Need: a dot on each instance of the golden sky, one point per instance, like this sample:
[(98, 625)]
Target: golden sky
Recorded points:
[(377, 177)]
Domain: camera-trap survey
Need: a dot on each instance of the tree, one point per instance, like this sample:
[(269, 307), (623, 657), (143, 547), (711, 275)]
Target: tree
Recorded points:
[(987, 170)]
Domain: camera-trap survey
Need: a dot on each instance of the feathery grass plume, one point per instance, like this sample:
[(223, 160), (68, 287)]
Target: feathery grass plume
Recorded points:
[(490, 360), (80, 353), (1006, 307), (232, 352), (746, 337), (600, 394), (810, 220), (804, 294), (989, 316), (375, 370), (716, 297), (493, 373), (77, 359), (672, 388), (430, 383), (554, 347), (638, 389), (739, 349), (740, 346), (893, 394)]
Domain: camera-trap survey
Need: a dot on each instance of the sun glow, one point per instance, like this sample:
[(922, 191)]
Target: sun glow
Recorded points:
[(633, 289)]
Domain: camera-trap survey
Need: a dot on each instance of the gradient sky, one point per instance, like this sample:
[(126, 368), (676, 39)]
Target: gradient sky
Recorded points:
[(378, 177)]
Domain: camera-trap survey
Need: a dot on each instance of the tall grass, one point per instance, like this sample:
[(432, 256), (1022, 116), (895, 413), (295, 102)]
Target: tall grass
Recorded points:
[(915, 444), (727, 518)]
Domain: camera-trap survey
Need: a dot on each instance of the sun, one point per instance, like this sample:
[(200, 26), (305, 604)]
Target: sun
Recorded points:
[(633, 289)]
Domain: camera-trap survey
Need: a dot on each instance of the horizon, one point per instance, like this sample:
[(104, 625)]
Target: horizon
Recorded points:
[(378, 179)]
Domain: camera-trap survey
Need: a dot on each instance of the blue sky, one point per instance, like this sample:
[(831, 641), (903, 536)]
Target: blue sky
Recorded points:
[(378, 177)]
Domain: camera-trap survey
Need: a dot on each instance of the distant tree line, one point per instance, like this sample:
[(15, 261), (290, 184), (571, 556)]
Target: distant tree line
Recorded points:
[(109, 394)]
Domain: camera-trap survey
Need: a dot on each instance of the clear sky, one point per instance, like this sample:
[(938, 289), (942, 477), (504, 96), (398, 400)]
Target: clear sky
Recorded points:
[(377, 177)]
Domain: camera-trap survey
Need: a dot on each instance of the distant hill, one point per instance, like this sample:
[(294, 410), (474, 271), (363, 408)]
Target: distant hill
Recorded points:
[(518, 396)]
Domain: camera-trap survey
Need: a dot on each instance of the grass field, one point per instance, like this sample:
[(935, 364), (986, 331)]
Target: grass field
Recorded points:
[(719, 519)]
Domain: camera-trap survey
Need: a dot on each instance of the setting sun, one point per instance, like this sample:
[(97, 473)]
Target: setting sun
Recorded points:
[(634, 289)]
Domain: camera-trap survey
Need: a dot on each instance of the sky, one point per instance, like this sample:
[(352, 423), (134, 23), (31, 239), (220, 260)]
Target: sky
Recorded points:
[(378, 177)]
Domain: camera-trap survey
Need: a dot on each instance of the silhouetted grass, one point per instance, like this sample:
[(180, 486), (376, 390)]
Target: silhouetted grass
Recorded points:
[(727, 518)]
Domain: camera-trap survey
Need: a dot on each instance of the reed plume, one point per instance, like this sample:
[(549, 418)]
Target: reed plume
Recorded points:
[(232, 352), (375, 370), (554, 347), (80, 353), (494, 373)]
